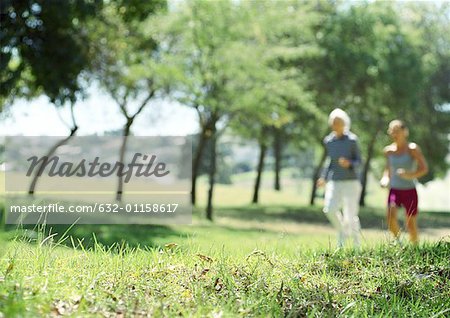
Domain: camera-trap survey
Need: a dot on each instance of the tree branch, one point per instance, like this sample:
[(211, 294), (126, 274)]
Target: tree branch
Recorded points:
[(144, 103)]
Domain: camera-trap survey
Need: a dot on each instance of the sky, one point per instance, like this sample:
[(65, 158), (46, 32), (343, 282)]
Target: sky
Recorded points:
[(95, 115), (98, 114)]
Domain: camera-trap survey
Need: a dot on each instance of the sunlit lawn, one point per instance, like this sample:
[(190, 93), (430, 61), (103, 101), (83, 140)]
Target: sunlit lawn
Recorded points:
[(232, 268), (276, 259)]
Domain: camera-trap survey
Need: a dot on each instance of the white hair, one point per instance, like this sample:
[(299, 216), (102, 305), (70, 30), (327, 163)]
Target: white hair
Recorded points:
[(339, 113)]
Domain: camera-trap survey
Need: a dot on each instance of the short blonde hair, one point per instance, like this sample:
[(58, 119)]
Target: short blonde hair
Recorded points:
[(339, 113), (397, 123)]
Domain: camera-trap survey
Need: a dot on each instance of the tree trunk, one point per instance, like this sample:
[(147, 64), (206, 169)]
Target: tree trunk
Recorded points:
[(50, 153), (277, 150), (3, 219), (370, 150), (212, 174), (196, 164), (262, 155), (126, 133), (316, 176), (3, 213)]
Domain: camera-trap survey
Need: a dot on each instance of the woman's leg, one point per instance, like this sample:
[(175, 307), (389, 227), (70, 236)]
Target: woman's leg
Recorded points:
[(392, 221), (351, 211), (336, 221), (411, 225), (333, 199), (411, 204)]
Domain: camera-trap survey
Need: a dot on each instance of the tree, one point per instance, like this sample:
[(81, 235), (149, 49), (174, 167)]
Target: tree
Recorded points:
[(73, 127), (44, 48), (283, 33), (372, 69), (427, 25), (203, 40), (126, 62)]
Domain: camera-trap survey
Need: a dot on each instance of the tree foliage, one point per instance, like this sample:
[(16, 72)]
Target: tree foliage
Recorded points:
[(44, 48)]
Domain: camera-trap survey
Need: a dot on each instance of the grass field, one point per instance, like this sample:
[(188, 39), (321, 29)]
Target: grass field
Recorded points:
[(434, 196), (183, 280), (252, 261), (275, 259)]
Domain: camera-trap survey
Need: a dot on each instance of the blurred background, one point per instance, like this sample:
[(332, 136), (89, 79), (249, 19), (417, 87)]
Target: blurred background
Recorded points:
[(251, 82)]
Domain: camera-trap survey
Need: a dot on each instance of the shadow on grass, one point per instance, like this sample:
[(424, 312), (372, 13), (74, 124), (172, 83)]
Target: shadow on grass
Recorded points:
[(132, 235), (107, 235), (369, 217), (147, 235)]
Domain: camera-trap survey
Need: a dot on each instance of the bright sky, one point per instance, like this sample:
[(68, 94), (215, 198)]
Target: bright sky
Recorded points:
[(96, 114)]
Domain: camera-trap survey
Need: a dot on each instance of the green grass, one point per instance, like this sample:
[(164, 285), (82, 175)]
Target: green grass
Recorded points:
[(184, 280), (432, 197), (252, 261), (273, 259)]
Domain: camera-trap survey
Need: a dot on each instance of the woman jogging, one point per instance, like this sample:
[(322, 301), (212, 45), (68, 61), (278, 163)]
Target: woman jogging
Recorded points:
[(343, 187), (404, 164)]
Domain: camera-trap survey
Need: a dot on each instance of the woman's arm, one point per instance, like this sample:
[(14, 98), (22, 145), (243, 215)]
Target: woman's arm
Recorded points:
[(384, 182), (324, 175), (356, 158), (422, 166), (326, 170)]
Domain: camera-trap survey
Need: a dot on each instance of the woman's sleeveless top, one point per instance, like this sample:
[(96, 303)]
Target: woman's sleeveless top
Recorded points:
[(401, 161)]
